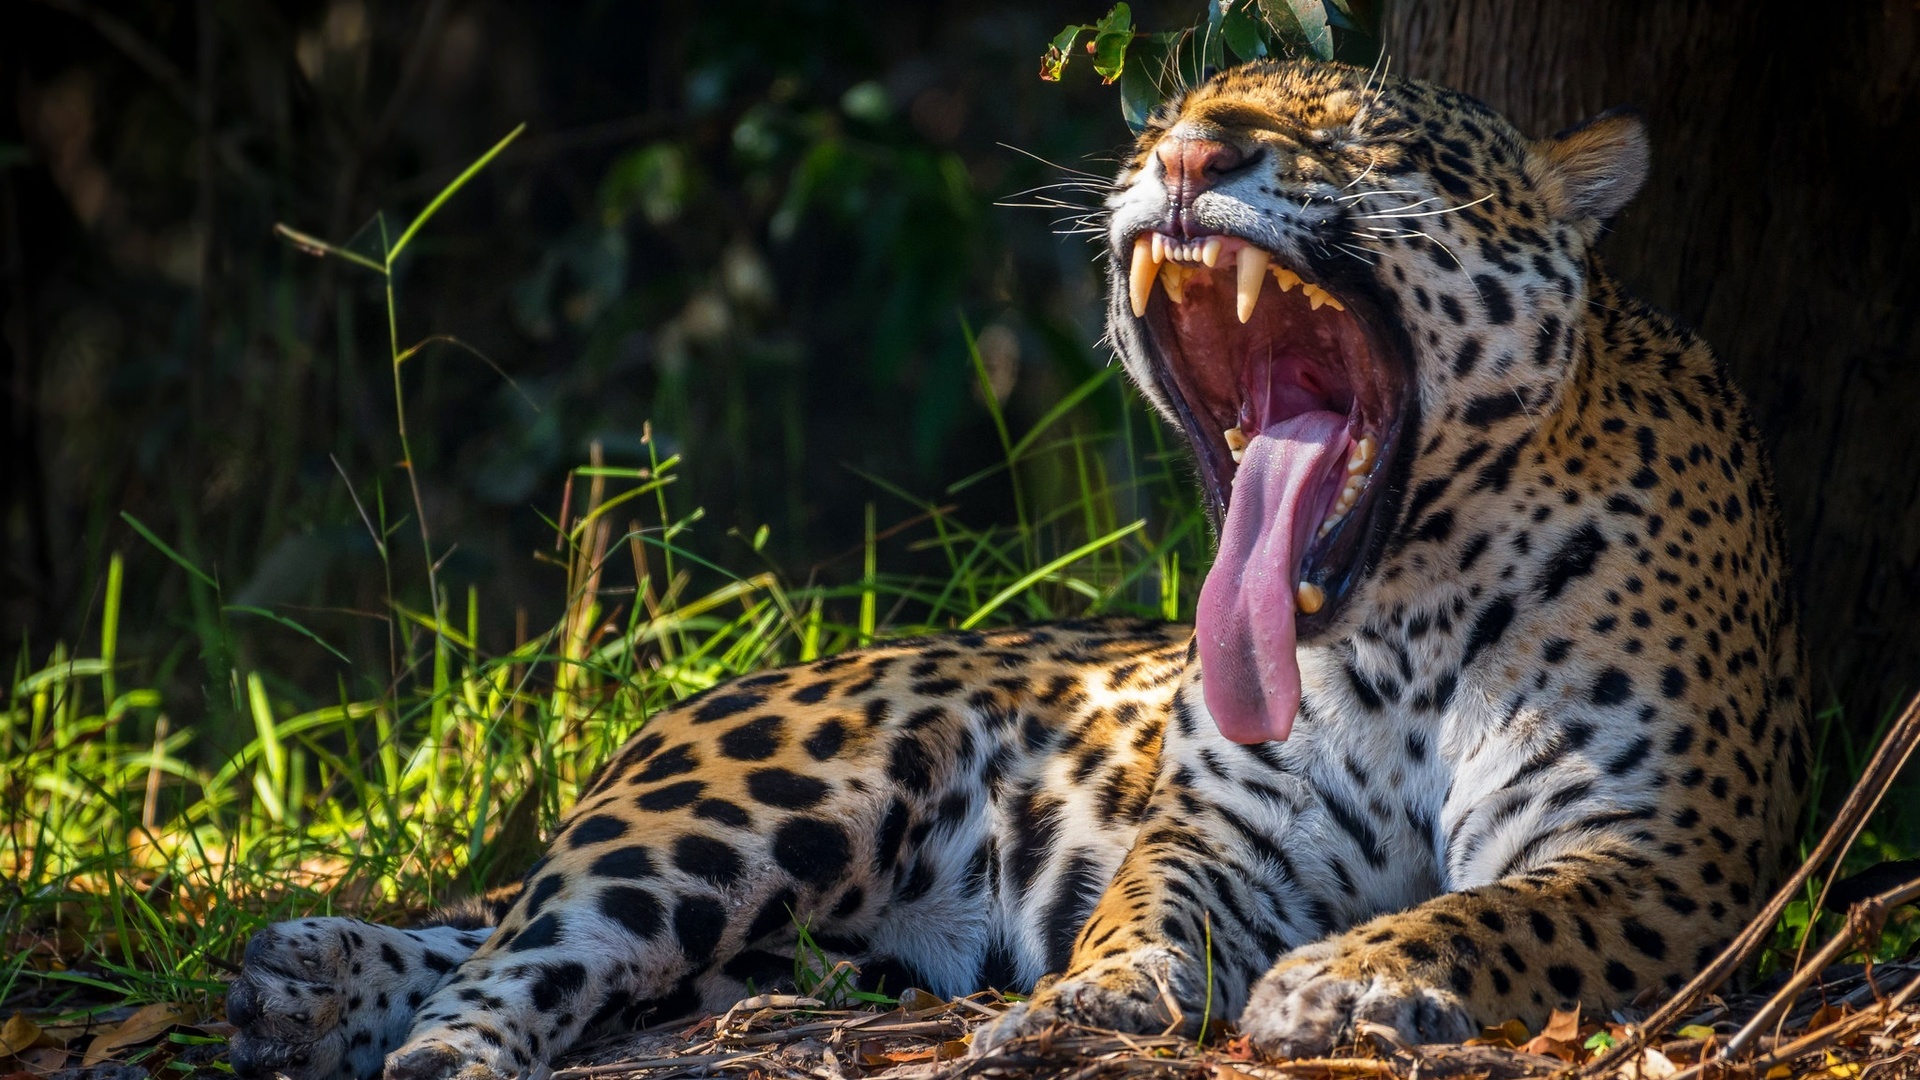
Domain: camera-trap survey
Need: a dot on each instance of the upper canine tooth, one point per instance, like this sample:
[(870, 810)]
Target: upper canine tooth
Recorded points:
[(1253, 273), (1210, 251), (1145, 268), (1287, 278)]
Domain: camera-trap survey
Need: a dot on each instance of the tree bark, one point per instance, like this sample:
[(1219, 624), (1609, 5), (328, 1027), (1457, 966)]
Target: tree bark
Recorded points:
[(1781, 220)]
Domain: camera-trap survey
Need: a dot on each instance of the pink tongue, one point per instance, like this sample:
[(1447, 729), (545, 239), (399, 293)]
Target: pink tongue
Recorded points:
[(1245, 621)]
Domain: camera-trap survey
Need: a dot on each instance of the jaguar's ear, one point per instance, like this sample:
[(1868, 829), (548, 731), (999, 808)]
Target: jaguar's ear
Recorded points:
[(1590, 171)]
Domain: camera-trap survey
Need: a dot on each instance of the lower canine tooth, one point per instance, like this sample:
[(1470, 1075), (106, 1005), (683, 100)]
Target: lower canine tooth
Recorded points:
[(1173, 278), (1253, 273), (1309, 597), (1145, 269)]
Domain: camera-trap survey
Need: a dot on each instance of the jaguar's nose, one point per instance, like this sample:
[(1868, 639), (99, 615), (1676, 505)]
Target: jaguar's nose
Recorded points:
[(1195, 165)]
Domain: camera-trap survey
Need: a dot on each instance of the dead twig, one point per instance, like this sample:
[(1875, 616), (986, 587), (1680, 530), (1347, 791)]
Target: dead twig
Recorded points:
[(1864, 922), (1888, 760)]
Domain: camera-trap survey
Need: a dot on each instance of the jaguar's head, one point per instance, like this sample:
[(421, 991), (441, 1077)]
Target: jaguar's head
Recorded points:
[(1315, 274)]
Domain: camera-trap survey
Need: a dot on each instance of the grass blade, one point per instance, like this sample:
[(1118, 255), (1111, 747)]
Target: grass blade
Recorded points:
[(164, 549), (289, 624), (1042, 572), (446, 193)]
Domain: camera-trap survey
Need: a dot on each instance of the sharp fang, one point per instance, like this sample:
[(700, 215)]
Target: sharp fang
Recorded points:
[(1253, 272), (1145, 268), (1286, 278), (1309, 597), (1210, 251)]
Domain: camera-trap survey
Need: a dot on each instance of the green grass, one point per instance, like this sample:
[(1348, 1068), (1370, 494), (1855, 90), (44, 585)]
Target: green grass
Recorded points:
[(138, 865), (140, 846)]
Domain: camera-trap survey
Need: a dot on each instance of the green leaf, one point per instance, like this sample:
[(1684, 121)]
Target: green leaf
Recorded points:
[(1301, 25), (1599, 1040), (1111, 36), (1139, 93), (1244, 32), (1059, 51)]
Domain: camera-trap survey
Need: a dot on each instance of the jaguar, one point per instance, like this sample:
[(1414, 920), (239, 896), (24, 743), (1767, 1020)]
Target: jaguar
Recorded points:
[(1493, 702)]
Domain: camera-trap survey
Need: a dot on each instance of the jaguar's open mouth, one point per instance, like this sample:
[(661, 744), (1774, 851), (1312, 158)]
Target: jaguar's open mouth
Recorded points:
[(1294, 393)]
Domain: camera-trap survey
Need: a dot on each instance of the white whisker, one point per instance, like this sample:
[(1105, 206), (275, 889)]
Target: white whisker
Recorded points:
[(1052, 164), (1431, 213)]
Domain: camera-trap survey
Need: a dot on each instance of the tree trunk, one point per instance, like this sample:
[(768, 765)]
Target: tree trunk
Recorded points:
[(1781, 220)]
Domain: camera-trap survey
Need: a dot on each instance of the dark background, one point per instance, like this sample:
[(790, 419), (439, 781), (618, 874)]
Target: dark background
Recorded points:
[(761, 227)]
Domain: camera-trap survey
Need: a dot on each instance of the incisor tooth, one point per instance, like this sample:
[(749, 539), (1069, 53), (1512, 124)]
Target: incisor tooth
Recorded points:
[(1159, 248), (1309, 597), (1236, 439), (1140, 279), (1253, 273), (1210, 251)]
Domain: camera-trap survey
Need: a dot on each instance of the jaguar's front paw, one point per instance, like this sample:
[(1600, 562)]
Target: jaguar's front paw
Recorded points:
[(290, 1002), (1147, 992), (326, 998), (1316, 998)]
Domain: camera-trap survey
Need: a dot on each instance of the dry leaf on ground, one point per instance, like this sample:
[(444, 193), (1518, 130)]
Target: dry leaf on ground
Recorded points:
[(17, 1034), (148, 1023)]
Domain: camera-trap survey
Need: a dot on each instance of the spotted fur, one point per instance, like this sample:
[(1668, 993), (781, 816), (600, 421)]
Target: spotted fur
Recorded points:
[(1548, 753)]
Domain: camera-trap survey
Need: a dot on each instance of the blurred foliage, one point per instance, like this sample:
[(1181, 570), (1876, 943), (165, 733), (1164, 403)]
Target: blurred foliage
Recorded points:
[(768, 232), (1150, 67)]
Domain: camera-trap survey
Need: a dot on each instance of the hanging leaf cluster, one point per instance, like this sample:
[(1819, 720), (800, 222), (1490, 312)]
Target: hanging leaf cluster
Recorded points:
[(1150, 65)]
